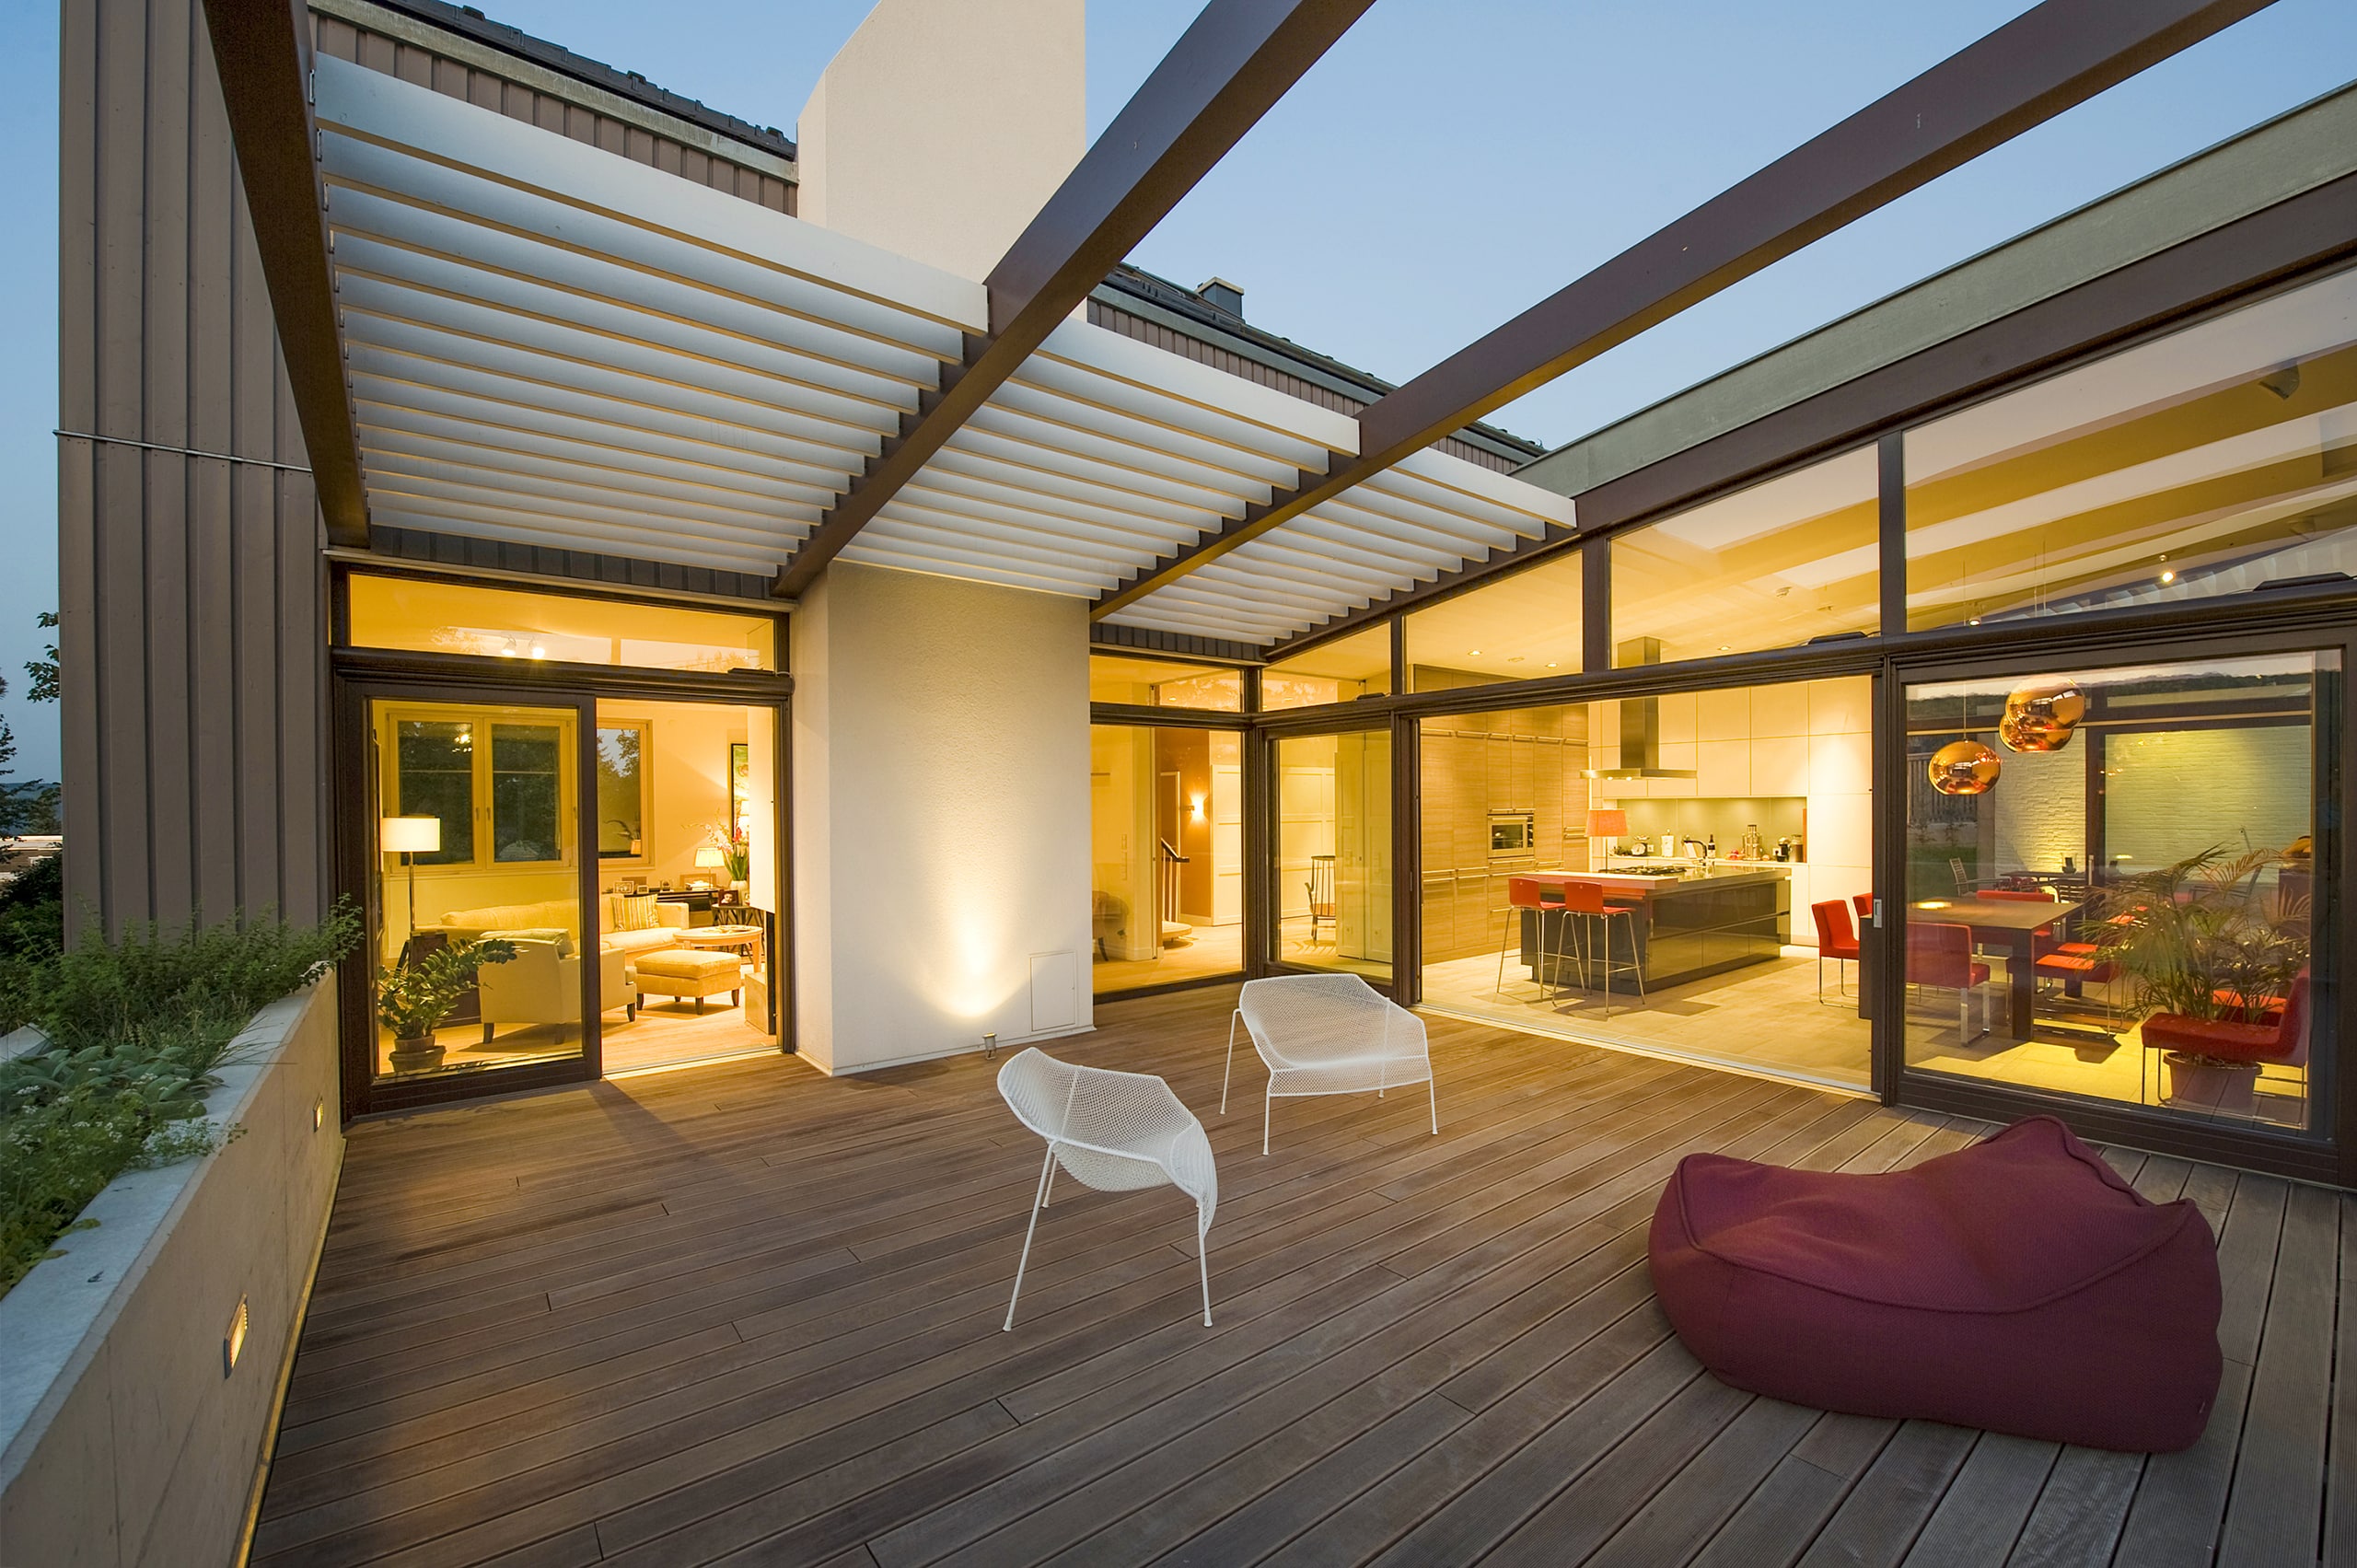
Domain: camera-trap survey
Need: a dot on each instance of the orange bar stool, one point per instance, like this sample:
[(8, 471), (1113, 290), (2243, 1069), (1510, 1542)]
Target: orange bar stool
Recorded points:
[(1527, 893), (1585, 900)]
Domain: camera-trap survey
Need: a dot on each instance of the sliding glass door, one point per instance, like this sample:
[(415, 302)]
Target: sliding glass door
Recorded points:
[(479, 955), (1166, 855), (1330, 811), (2118, 880)]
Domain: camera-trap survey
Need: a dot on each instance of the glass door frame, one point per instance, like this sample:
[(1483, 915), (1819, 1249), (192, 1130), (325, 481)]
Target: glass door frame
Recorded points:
[(361, 677), (1246, 725), (2327, 1154), (1262, 807)]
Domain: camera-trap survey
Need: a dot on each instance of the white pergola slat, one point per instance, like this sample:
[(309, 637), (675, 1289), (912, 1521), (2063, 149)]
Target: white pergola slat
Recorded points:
[(549, 345)]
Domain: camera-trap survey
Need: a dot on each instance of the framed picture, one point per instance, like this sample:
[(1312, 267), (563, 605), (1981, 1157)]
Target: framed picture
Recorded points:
[(741, 788)]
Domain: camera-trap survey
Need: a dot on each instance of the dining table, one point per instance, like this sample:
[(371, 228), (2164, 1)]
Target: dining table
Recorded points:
[(2012, 924)]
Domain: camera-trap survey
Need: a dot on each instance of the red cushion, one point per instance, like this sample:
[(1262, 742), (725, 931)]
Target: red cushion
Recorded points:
[(2019, 1285)]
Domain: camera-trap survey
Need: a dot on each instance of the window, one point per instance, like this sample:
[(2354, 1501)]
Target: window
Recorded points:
[(436, 768), (2112, 881), (1524, 627), (498, 787), (1783, 562), (2211, 461), (1340, 671), (1161, 683), (427, 616), (621, 792)]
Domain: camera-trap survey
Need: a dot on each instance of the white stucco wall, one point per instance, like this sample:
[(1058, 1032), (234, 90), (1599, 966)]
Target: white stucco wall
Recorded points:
[(941, 816), (942, 126)]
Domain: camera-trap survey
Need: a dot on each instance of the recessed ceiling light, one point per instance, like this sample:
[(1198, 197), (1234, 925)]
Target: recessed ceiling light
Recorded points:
[(1726, 648), (1551, 664), (1472, 652), (2168, 576)]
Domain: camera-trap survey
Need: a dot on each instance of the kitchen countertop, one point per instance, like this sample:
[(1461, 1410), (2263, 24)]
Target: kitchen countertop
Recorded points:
[(1718, 874)]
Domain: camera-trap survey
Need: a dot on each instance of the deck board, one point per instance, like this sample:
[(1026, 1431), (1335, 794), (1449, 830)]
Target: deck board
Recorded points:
[(748, 1314)]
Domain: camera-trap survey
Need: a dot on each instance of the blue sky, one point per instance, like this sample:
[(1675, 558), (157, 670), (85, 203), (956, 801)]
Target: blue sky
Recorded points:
[(1446, 165)]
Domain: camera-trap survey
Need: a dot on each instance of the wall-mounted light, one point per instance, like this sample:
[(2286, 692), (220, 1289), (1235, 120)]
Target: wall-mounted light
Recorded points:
[(233, 1344), (1195, 804), (318, 1114)]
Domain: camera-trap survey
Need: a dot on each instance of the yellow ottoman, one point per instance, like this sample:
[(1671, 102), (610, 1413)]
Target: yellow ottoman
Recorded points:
[(687, 973)]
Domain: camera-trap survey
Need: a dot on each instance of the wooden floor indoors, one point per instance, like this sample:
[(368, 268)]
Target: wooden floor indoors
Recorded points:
[(746, 1314)]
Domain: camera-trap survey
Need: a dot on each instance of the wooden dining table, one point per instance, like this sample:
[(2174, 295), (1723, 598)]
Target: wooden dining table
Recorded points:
[(2010, 924)]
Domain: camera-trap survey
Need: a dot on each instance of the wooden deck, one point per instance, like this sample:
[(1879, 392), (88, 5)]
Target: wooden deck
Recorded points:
[(745, 1314)]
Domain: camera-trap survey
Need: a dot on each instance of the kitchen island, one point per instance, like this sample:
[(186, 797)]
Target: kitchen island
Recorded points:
[(1700, 921)]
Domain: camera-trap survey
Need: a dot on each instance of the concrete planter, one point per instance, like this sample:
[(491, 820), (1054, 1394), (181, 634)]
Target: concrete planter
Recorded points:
[(128, 1434)]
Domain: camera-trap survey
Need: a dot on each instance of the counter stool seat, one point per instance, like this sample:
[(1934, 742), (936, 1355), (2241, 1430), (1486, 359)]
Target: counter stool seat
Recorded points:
[(687, 972)]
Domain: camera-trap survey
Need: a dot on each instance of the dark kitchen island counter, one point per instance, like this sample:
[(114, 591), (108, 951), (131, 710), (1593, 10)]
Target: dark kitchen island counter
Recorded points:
[(1687, 926)]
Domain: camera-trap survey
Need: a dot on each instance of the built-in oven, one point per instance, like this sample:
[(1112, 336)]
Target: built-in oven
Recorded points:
[(1512, 832)]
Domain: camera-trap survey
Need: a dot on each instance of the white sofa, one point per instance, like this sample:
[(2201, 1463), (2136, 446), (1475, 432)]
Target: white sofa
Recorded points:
[(542, 984)]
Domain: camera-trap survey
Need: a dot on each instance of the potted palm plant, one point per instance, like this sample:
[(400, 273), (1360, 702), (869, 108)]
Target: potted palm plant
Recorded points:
[(2204, 945), (412, 1002)]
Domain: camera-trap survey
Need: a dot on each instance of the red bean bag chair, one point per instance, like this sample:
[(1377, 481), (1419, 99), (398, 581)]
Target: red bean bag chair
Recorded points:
[(2019, 1285)]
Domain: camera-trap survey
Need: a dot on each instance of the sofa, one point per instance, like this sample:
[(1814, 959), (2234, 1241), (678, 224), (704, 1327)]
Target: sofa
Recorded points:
[(541, 983)]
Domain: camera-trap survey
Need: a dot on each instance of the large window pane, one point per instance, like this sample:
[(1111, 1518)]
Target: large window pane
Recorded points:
[(2211, 461), (1524, 627), (1164, 683), (1720, 828), (2113, 881), (435, 776), (1340, 671), (1333, 863), (1166, 855), (1778, 564), (527, 792), (441, 1005), (428, 616)]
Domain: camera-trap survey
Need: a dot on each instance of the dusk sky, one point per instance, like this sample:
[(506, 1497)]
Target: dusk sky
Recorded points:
[(1443, 167)]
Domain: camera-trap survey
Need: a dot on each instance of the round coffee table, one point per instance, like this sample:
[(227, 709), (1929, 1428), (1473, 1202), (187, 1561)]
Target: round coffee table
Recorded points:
[(745, 938)]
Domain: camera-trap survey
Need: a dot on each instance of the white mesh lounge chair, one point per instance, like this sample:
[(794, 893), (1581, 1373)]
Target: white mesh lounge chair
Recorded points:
[(1328, 1034), (1113, 1132)]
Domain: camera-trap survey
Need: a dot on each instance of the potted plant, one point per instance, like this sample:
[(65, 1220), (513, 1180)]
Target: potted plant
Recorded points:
[(412, 1002), (734, 850), (2204, 947)]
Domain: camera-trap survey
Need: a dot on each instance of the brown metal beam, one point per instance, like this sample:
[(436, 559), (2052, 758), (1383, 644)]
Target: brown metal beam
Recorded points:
[(2056, 55), (1229, 67), (263, 50)]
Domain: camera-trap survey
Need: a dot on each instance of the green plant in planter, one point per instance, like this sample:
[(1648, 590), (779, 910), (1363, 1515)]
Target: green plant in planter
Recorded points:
[(413, 1002), (2198, 940)]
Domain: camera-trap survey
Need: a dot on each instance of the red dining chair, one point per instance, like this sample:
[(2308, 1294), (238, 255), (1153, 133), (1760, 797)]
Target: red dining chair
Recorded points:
[(2282, 1040), (1585, 900), (1942, 956), (1864, 904), (1527, 893), (1836, 939)]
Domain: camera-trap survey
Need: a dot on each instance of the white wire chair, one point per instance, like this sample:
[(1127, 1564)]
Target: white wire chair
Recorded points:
[(1328, 1034), (1114, 1132)]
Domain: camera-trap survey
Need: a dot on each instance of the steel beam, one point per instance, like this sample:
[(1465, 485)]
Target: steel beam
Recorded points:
[(1235, 62), (2057, 54), (262, 50)]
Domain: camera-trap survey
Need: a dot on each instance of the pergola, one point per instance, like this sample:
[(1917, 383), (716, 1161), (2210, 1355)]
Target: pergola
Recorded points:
[(498, 333)]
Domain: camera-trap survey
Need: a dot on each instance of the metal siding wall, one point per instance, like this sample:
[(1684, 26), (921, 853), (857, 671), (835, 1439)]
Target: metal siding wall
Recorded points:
[(193, 591)]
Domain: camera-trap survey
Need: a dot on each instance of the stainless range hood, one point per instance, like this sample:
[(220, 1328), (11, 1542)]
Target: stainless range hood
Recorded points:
[(1640, 724)]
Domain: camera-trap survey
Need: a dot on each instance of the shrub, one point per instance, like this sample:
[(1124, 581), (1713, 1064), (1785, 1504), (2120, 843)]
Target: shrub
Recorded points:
[(136, 1032)]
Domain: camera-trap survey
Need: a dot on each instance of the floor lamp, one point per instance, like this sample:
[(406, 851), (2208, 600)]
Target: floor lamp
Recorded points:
[(410, 837)]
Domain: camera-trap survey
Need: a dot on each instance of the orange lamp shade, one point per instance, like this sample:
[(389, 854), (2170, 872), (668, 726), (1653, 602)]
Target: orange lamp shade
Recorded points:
[(1607, 824)]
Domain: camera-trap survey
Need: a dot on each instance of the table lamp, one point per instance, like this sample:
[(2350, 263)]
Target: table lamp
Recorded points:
[(1607, 825), (410, 837), (711, 858)]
